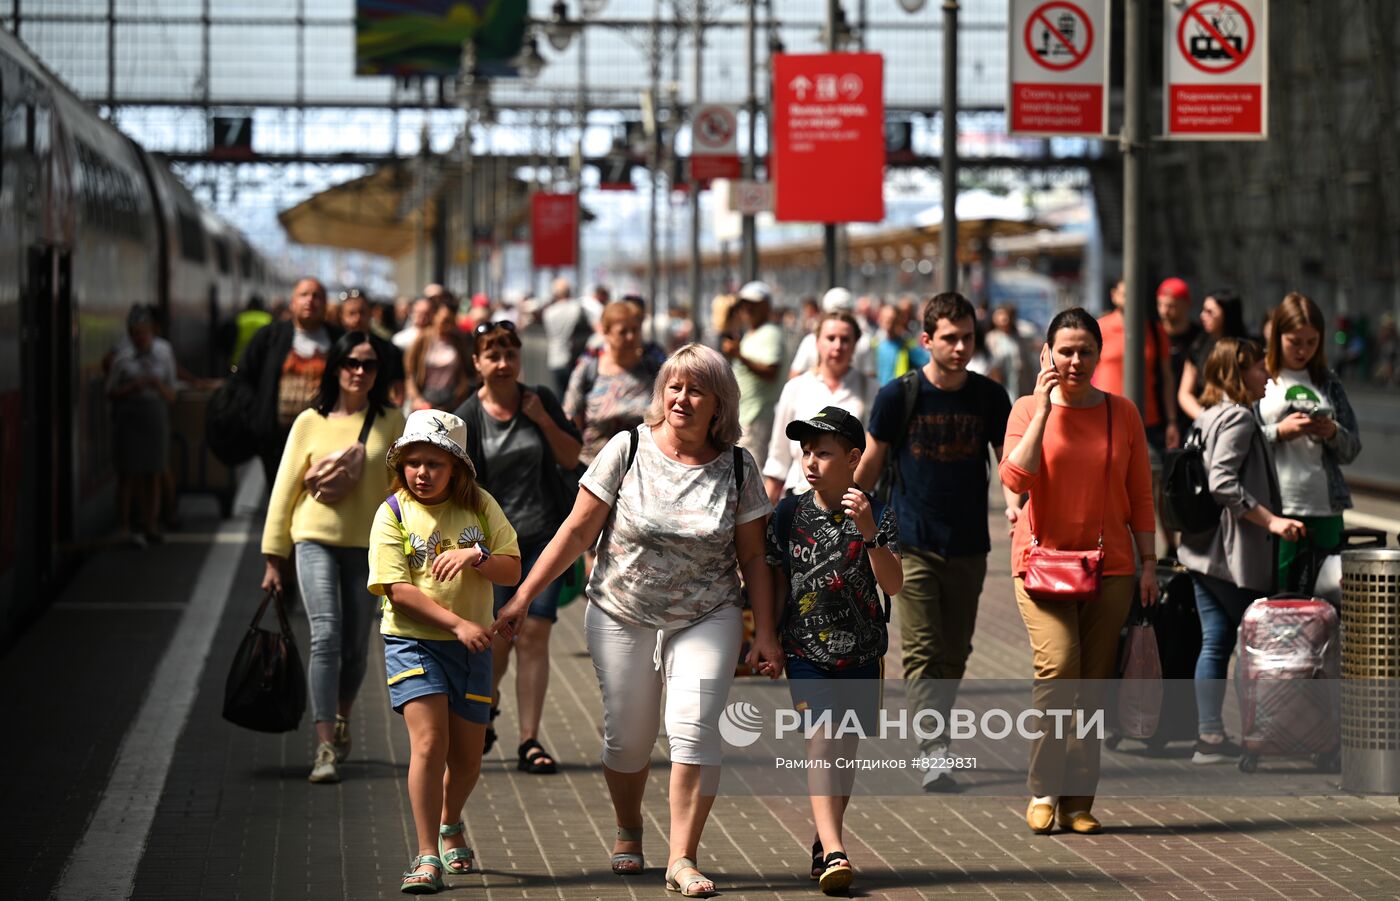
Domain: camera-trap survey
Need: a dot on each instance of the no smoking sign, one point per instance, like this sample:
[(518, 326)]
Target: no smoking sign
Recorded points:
[(1059, 35)]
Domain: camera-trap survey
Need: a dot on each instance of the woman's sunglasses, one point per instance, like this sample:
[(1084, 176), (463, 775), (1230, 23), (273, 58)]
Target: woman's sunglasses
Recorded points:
[(365, 366), (487, 327)]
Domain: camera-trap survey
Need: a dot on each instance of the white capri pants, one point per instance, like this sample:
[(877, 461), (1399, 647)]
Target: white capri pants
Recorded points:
[(694, 661)]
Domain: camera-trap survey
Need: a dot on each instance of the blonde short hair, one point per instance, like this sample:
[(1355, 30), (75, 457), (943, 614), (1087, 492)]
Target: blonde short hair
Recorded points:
[(711, 372)]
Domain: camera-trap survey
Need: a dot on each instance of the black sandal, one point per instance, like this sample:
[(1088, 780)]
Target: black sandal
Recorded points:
[(818, 860), (837, 874), (533, 763), (490, 732)]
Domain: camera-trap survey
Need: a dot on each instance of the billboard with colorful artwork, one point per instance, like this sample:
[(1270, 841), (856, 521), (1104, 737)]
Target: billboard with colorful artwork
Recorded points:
[(425, 37)]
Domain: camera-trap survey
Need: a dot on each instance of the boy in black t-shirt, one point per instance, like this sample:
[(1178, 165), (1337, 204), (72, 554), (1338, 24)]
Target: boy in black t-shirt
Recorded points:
[(838, 555)]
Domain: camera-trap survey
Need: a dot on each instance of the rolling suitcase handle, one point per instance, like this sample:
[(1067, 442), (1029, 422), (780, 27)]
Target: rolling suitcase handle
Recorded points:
[(1361, 539)]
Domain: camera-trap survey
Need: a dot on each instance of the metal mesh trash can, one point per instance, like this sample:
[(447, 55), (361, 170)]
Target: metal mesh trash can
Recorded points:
[(1371, 671)]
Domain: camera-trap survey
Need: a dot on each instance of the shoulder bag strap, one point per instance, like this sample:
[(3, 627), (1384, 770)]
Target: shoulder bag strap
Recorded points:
[(1107, 465), (370, 412), (1107, 470)]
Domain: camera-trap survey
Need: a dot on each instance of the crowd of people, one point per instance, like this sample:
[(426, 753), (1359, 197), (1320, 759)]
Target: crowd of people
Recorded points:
[(706, 476)]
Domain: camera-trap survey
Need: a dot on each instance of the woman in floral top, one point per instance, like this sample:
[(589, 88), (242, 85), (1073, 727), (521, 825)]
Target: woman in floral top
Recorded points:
[(610, 393)]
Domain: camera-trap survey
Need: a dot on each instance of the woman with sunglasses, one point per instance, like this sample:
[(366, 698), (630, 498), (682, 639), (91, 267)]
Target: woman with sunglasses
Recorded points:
[(610, 393), (521, 443), (329, 542)]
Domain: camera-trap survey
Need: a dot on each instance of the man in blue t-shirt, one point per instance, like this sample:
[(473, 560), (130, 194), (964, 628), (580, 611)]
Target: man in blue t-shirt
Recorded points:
[(897, 351), (940, 479)]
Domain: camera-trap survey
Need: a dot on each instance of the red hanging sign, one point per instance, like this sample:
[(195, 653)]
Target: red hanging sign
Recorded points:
[(553, 222), (829, 137)]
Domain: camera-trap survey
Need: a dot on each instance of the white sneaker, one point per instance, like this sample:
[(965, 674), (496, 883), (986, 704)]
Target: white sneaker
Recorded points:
[(324, 768), (937, 776)]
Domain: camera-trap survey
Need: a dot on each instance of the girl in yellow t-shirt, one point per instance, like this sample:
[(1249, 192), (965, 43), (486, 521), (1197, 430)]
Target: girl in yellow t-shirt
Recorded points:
[(438, 544)]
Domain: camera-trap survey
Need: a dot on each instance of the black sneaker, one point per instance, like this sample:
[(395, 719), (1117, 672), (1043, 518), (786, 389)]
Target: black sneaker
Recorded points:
[(1216, 752)]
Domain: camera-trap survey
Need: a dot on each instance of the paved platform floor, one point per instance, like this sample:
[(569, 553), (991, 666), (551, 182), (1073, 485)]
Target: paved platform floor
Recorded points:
[(95, 707)]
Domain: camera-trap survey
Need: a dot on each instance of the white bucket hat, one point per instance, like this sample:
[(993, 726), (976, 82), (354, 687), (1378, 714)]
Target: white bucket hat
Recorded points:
[(756, 292), (838, 300), (441, 430)]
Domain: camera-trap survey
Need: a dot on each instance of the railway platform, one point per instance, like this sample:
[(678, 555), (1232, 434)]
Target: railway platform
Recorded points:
[(121, 779)]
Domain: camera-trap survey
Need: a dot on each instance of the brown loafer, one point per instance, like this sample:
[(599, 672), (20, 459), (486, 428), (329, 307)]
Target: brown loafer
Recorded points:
[(1082, 822), (1040, 817)]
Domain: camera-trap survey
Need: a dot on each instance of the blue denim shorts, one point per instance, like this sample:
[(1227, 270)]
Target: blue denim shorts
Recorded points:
[(418, 667), (858, 689)]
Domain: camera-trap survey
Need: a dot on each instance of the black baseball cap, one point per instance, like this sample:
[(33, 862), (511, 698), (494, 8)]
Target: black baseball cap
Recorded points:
[(832, 420)]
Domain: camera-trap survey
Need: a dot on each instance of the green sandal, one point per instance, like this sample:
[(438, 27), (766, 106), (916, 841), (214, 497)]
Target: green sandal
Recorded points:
[(464, 855), (416, 883)]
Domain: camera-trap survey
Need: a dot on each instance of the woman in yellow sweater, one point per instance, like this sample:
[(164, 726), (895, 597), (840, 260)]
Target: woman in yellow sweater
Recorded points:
[(329, 540)]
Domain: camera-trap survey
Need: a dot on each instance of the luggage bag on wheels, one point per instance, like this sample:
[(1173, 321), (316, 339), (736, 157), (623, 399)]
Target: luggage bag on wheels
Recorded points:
[(1288, 678)]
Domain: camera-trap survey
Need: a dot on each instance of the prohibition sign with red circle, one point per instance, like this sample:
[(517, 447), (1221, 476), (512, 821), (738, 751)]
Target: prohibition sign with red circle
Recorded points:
[(715, 128), (1236, 56), (1039, 17)]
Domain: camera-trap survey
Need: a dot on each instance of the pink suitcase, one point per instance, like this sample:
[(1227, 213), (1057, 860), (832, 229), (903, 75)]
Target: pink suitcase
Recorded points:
[(1288, 675)]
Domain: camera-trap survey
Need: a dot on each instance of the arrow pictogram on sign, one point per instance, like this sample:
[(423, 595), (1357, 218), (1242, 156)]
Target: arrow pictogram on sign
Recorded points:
[(800, 86)]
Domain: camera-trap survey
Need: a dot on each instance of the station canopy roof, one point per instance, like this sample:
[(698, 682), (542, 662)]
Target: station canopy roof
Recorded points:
[(379, 213)]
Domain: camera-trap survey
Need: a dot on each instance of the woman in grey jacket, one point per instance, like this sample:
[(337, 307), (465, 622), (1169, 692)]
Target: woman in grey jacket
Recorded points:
[(1233, 564)]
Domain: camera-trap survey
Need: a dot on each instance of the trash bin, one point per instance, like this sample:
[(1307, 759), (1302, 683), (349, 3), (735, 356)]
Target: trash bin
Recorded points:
[(1371, 671)]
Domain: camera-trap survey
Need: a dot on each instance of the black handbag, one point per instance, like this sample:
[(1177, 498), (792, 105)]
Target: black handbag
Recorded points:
[(266, 686)]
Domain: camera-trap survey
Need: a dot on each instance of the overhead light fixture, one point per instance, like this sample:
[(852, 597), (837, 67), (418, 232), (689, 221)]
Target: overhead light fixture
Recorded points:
[(845, 36), (529, 62), (559, 28), (593, 7), (466, 77), (912, 6)]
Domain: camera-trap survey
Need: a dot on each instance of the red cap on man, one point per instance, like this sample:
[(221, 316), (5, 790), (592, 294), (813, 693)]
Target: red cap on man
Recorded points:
[(1174, 288)]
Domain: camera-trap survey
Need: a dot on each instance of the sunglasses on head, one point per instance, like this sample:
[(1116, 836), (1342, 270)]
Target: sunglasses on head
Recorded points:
[(488, 327), (361, 365)]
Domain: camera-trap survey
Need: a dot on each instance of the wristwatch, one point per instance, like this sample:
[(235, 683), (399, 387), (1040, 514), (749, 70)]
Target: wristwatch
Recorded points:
[(485, 554), (881, 539)]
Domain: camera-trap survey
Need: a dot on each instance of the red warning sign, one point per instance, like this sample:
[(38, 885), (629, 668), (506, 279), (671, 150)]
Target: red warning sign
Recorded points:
[(1058, 67), (1217, 69), (714, 151), (1216, 36), (1059, 35)]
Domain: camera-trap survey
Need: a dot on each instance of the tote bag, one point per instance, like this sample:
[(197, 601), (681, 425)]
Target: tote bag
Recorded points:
[(266, 686)]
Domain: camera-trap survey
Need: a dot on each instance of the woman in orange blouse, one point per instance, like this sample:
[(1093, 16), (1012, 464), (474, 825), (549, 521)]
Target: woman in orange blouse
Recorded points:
[(1056, 445)]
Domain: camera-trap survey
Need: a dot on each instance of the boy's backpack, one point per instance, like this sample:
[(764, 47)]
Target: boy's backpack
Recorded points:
[(1187, 504), (889, 473), (782, 530)]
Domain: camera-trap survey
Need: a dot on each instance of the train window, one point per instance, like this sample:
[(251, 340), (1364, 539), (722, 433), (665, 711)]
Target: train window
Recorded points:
[(221, 254), (191, 236)]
